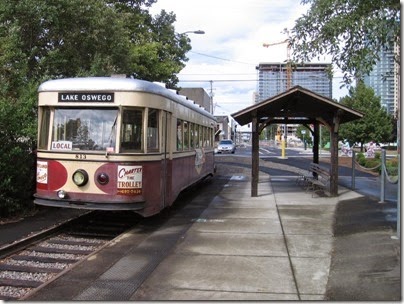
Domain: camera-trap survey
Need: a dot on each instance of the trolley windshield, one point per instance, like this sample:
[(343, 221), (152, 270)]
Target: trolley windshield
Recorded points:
[(84, 129)]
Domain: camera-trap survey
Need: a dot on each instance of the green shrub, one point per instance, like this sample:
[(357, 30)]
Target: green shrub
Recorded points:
[(374, 164), (17, 160), (361, 159), (17, 178), (392, 166), (393, 162)]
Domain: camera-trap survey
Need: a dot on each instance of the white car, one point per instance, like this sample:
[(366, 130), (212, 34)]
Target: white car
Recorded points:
[(226, 146)]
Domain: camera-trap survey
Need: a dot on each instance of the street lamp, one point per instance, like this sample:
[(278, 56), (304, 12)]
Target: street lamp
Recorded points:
[(198, 32), (304, 138)]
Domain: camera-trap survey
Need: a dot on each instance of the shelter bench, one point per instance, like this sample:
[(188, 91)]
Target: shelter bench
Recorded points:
[(317, 178)]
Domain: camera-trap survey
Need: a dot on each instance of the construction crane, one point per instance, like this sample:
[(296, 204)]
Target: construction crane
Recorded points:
[(288, 86), (288, 65)]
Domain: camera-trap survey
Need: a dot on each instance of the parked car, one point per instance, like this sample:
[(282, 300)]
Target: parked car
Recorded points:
[(226, 146)]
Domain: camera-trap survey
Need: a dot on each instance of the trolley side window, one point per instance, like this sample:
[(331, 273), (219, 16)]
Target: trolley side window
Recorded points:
[(191, 135), (153, 130), (132, 123), (44, 129), (196, 136), (180, 140), (200, 138), (186, 135), (84, 129), (210, 137), (205, 136)]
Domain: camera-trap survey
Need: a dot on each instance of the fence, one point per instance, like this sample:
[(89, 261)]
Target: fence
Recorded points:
[(384, 177)]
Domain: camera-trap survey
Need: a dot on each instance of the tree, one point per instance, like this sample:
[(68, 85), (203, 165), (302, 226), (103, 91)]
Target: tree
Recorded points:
[(376, 123), (353, 32), (17, 156), (157, 52), (68, 38), (42, 39)]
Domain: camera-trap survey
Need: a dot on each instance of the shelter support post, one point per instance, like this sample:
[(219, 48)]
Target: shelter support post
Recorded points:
[(316, 142), (334, 154), (255, 156), (334, 164)]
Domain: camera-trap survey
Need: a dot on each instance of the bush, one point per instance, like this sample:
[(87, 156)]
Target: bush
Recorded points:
[(393, 162), (17, 178), (392, 166), (369, 163), (361, 159), (374, 164), (17, 160)]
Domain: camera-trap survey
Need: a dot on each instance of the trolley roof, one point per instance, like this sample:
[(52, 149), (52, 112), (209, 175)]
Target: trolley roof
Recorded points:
[(116, 84)]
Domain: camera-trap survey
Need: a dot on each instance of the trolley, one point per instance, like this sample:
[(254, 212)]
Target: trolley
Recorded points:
[(109, 143)]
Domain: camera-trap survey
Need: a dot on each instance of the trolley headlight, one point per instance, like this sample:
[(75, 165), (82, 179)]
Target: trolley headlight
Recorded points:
[(62, 194), (80, 177), (103, 178)]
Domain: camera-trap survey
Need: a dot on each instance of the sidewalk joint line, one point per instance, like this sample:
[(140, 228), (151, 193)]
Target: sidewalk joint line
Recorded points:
[(286, 244)]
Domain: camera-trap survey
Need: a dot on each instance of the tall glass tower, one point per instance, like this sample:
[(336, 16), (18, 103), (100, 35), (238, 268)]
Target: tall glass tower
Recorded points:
[(384, 80), (272, 78)]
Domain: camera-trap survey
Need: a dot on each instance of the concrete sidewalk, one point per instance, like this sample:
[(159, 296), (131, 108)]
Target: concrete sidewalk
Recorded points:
[(276, 246), (226, 246)]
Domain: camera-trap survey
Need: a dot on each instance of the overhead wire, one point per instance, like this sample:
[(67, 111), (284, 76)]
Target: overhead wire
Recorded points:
[(215, 57), (230, 60), (218, 80)]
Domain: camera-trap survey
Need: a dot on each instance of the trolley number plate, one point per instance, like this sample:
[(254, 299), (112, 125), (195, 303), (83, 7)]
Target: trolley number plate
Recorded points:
[(81, 156)]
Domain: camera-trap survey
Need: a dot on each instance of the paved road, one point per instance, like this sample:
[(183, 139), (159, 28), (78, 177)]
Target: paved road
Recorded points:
[(365, 183)]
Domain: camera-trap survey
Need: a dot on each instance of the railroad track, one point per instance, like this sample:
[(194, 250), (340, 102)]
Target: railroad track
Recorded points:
[(30, 263)]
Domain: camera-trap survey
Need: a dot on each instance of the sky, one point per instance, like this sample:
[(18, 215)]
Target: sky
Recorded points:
[(223, 60)]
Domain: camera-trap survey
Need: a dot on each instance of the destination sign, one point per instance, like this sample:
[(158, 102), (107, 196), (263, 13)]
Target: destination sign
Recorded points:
[(86, 97)]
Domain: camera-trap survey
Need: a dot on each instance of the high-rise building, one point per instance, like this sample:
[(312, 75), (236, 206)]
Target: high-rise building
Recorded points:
[(384, 79), (273, 78)]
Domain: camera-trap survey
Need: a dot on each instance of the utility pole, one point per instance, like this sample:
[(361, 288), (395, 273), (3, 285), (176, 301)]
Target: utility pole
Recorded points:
[(211, 97), (288, 65), (288, 85)]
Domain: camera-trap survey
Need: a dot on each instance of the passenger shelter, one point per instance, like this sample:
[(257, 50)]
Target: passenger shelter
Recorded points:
[(297, 106)]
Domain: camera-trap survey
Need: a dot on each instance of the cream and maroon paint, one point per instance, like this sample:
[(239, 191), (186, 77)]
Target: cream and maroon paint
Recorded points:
[(143, 180)]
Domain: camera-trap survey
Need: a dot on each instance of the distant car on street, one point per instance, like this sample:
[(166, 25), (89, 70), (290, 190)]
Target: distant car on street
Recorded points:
[(226, 146)]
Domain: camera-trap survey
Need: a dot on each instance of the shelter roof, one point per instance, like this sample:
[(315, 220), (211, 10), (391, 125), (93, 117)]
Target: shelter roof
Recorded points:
[(297, 102)]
